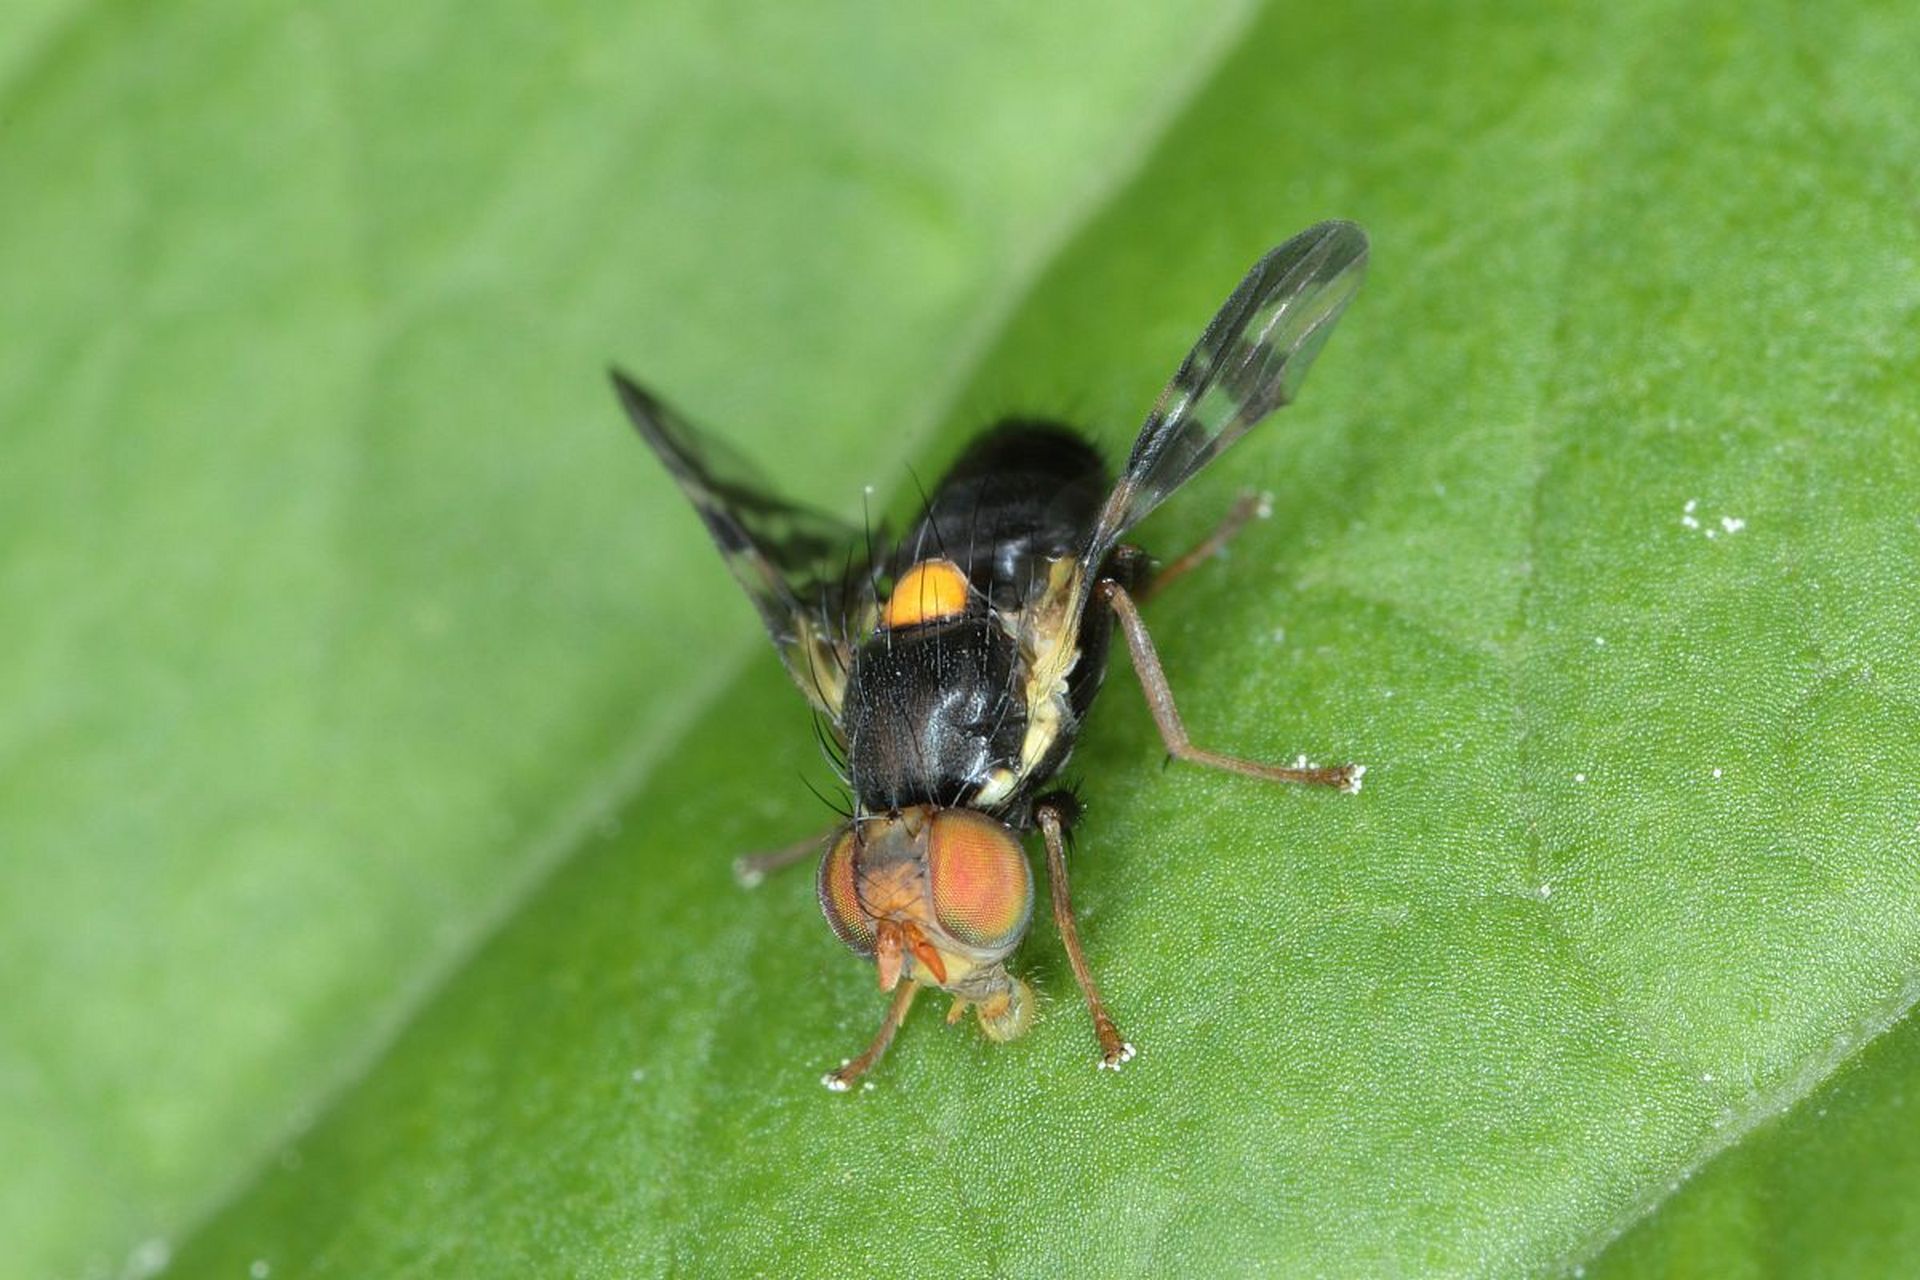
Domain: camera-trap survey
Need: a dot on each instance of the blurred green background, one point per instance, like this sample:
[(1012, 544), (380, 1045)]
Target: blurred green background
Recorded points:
[(376, 725)]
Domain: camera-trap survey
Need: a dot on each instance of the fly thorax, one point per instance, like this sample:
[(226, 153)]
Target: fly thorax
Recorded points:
[(932, 711)]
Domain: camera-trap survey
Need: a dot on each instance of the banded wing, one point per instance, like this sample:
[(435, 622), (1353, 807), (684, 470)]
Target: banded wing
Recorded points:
[(808, 574), (1250, 361)]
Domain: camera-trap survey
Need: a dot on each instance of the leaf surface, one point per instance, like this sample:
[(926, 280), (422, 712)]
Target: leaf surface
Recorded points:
[(1592, 536)]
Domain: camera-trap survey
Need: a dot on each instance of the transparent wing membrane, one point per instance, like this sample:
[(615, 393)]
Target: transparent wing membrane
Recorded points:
[(1250, 361)]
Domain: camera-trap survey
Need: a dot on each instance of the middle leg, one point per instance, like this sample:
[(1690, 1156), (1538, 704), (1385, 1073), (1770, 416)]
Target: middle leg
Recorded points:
[(1153, 682)]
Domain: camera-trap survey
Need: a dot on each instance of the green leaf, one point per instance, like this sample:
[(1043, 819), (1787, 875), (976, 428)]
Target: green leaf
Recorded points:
[(339, 602), (1592, 536), (1825, 1190)]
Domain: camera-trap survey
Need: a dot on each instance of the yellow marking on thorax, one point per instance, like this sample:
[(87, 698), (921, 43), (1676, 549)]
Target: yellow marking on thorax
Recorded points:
[(928, 592), (1054, 652)]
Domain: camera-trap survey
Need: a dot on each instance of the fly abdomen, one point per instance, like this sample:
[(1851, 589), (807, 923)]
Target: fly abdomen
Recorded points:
[(931, 712)]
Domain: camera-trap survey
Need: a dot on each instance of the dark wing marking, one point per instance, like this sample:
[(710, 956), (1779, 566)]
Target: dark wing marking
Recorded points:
[(808, 574), (1249, 362)]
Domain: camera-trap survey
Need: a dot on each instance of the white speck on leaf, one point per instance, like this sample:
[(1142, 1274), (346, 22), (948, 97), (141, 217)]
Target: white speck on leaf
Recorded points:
[(1725, 524)]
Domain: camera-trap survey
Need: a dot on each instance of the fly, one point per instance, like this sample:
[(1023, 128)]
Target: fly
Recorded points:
[(953, 668)]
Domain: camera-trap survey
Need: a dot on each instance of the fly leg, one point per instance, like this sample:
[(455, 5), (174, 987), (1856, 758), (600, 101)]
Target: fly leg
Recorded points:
[(752, 868), (1153, 682), (1245, 508), (1113, 1050), (842, 1080)]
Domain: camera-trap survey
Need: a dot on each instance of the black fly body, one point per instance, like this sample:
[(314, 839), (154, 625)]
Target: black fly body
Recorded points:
[(949, 691)]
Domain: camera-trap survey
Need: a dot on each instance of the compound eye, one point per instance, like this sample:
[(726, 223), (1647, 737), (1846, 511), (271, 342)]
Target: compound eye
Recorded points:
[(982, 886), (838, 902)]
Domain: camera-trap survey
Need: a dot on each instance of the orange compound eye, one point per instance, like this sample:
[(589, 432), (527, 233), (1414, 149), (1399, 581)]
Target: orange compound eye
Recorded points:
[(838, 902), (982, 886)]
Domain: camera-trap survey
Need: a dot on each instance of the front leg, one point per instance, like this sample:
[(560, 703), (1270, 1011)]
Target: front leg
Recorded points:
[(842, 1080), (1053, 818), (1153, 682)]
